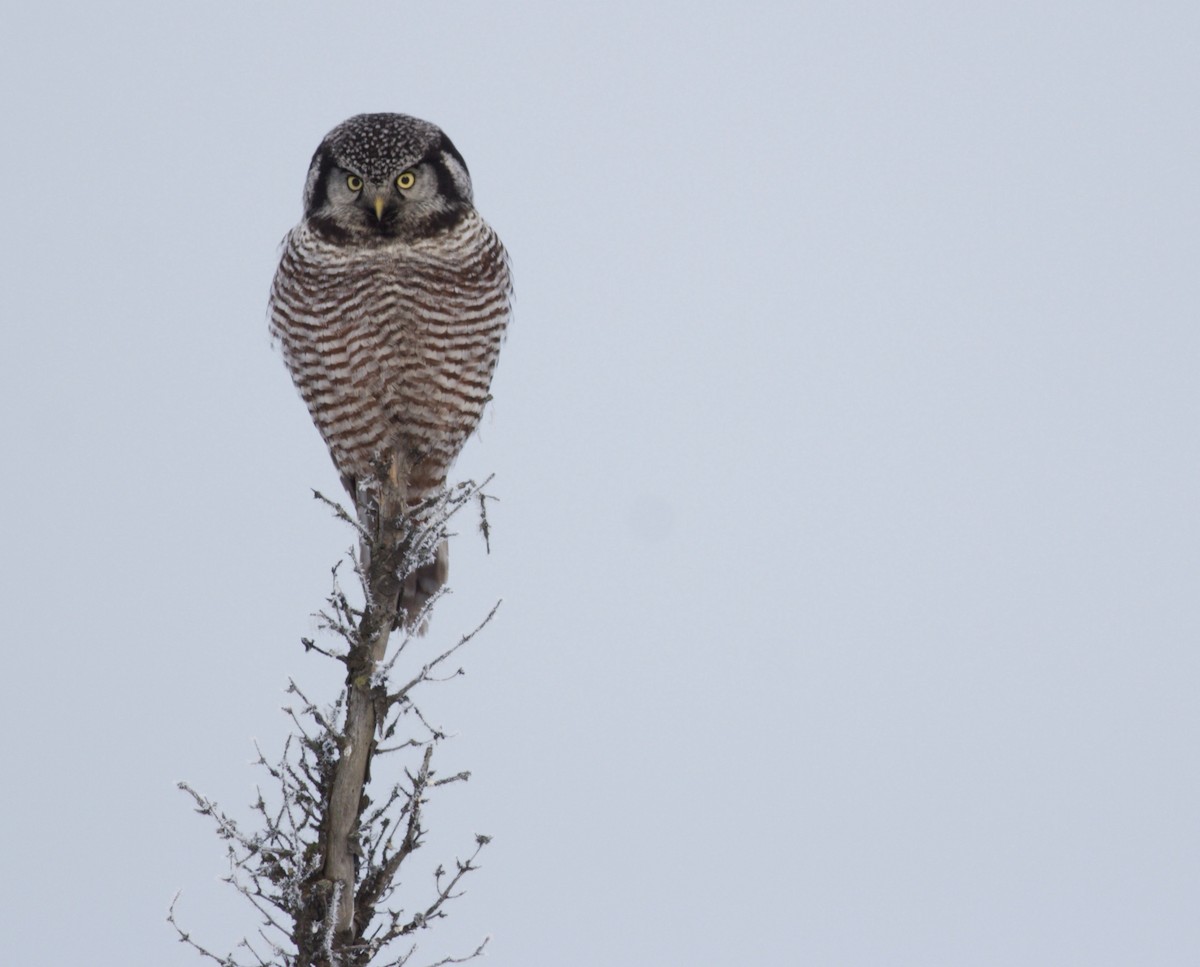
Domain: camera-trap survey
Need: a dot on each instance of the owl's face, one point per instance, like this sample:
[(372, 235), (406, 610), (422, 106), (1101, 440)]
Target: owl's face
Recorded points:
[(385, 176)]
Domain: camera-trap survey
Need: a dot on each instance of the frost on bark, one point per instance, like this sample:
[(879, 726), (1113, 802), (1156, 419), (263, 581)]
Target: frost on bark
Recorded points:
[(320, 862)]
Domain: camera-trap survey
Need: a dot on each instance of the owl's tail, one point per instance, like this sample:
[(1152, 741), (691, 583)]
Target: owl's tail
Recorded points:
[(424, 581), (419, 587)]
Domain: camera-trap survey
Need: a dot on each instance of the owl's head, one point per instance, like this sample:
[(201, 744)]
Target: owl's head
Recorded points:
[(382, 176)]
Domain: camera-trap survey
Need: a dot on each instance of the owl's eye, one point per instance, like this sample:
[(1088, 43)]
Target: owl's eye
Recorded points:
[(406, 180), (354, 183)]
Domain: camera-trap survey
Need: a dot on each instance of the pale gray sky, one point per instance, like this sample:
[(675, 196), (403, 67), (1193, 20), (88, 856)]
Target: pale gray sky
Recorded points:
[(846, 441)]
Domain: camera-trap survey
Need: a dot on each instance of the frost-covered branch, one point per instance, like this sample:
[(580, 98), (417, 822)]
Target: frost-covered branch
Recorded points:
[(321, 862)]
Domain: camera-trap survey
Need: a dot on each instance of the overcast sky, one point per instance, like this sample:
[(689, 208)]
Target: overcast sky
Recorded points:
[(845, 444)]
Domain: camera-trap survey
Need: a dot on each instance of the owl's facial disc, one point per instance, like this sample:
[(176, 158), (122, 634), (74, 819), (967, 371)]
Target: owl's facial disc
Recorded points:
[(385, 202)]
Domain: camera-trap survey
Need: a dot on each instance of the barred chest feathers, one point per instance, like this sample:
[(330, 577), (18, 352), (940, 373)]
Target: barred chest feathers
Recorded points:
[(393, 345)]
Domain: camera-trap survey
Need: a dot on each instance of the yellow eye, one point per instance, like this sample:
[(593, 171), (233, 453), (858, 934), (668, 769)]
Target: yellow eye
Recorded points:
[(354, 183), (406, 180)]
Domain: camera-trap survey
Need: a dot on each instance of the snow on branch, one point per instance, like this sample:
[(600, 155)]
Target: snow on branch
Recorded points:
[(319, 860)]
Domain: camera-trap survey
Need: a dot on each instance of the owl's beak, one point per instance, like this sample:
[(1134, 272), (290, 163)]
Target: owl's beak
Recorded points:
[(380, 205)]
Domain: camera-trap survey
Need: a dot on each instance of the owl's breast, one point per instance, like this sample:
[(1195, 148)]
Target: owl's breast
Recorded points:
[(393, 347)]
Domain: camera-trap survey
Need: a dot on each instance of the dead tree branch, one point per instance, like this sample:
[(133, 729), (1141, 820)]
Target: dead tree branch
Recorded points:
[(322, 862)]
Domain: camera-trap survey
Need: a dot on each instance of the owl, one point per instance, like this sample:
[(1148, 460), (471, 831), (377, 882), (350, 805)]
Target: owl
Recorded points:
[(389, 305)]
